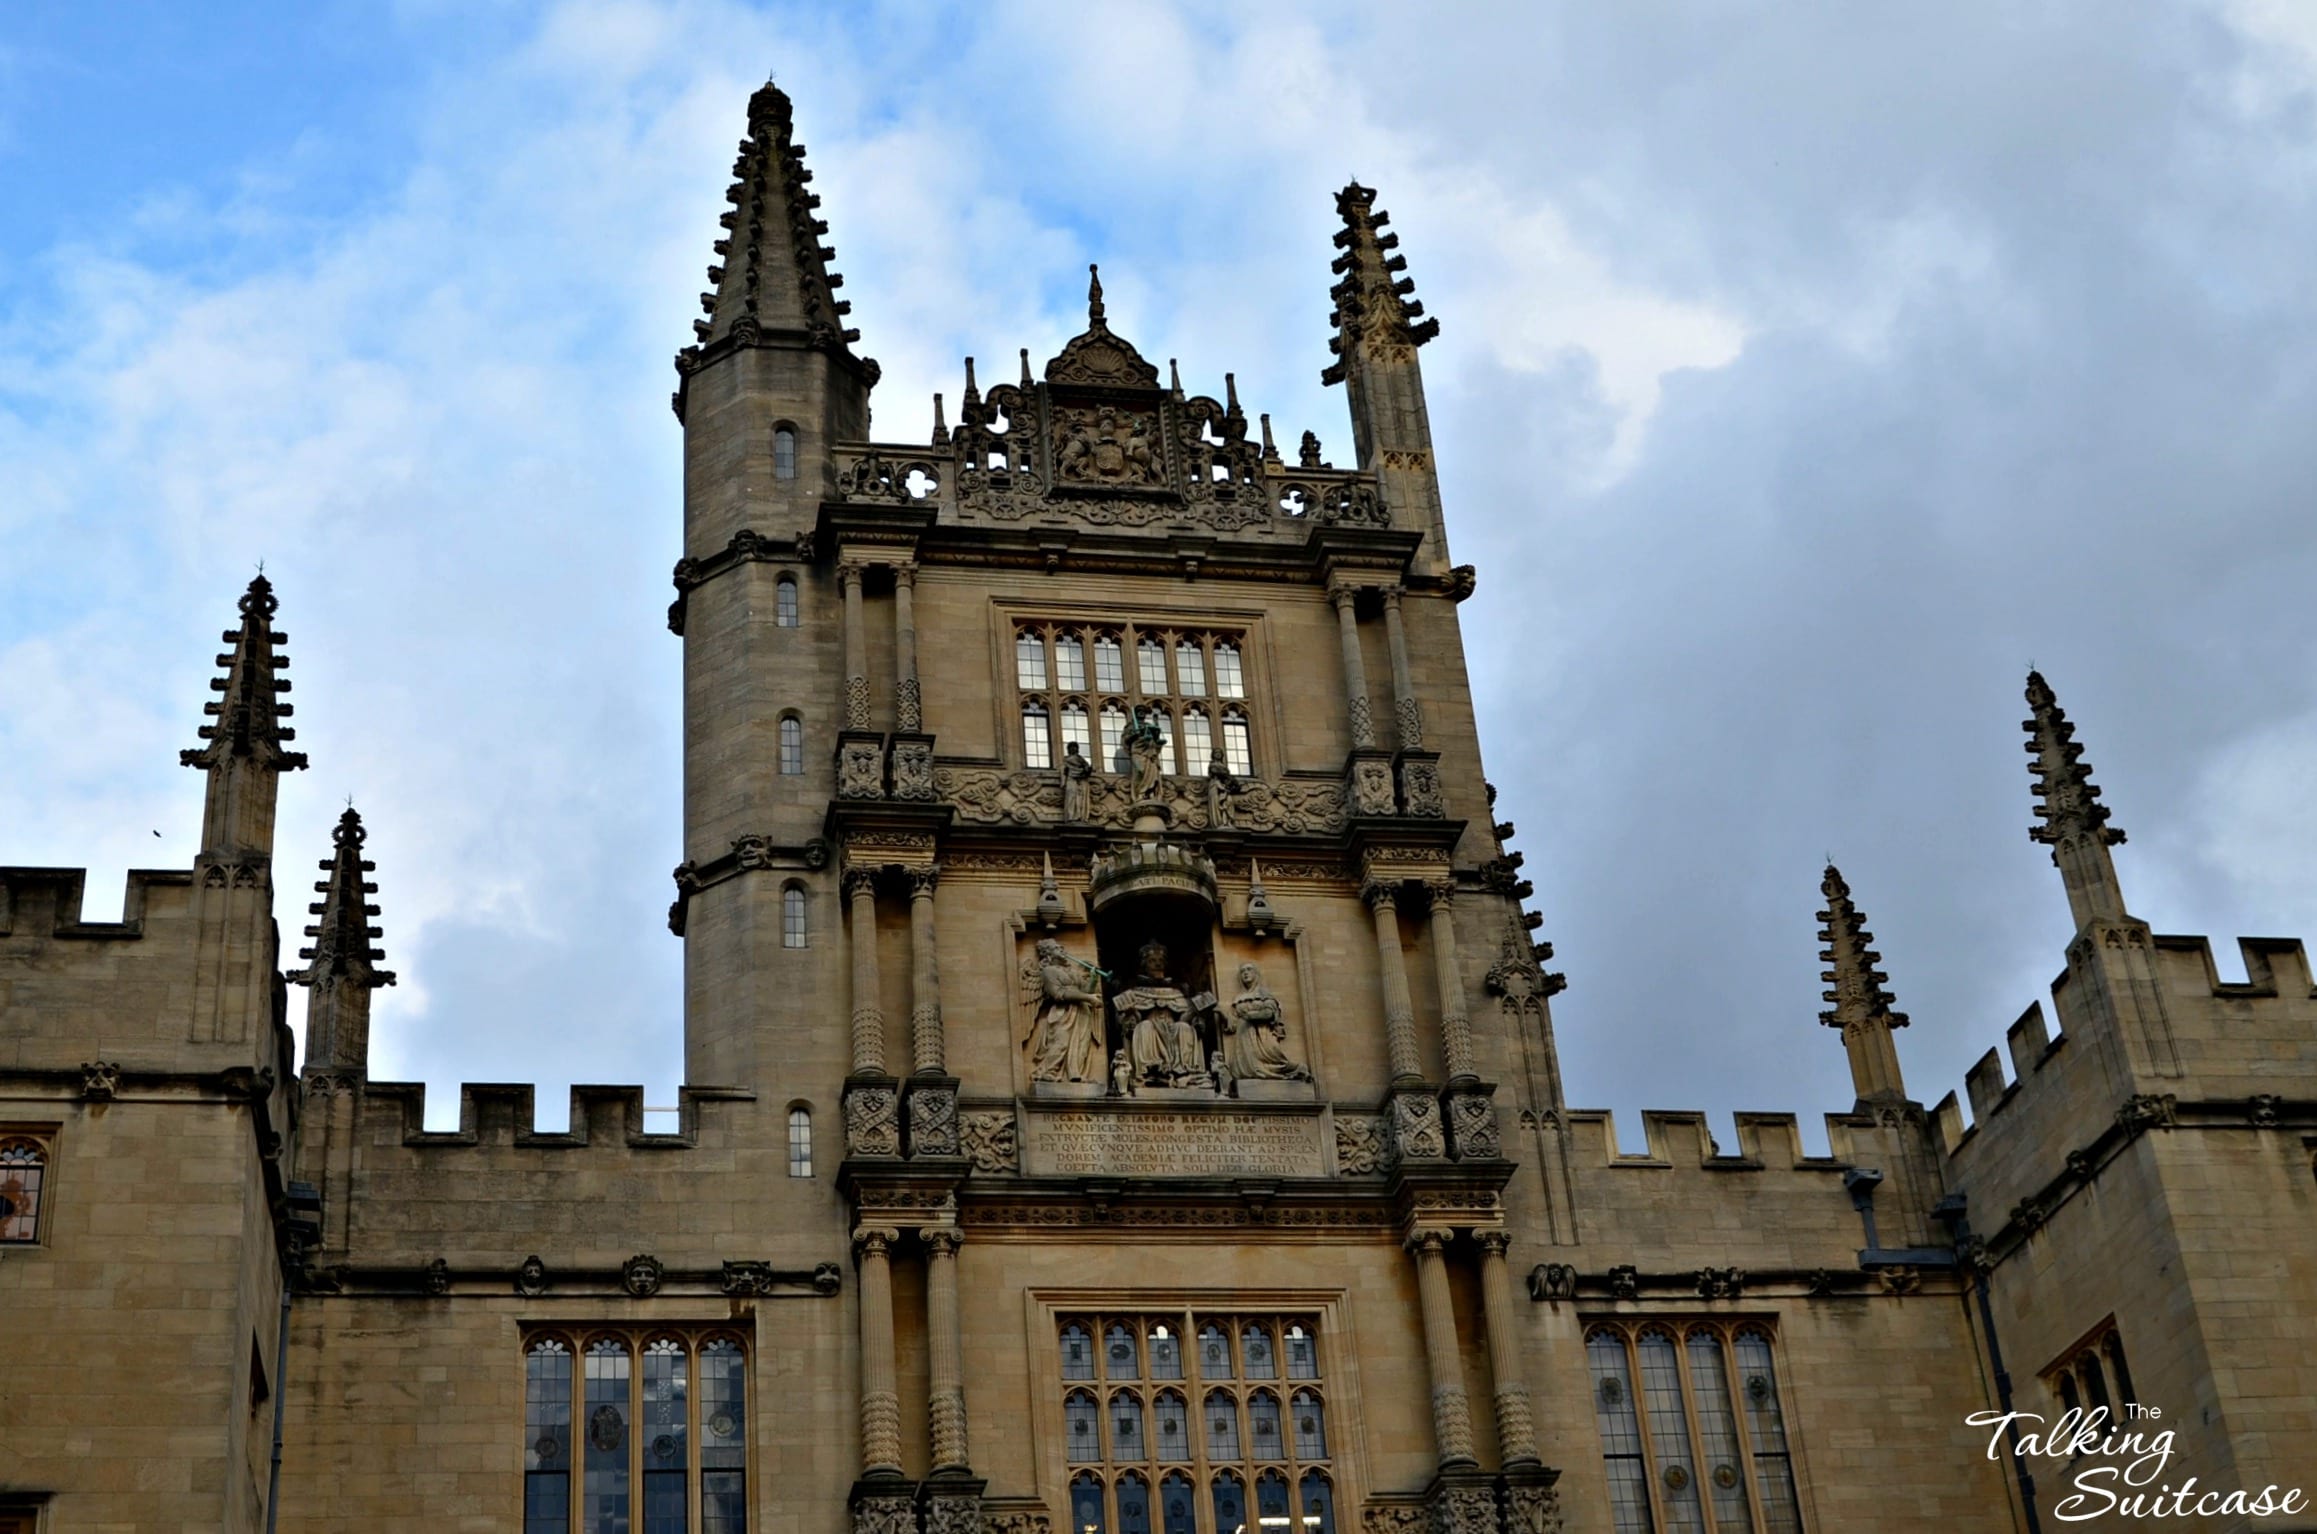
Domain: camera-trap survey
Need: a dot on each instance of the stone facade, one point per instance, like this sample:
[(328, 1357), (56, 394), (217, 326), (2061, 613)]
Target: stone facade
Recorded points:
[(1238, 1043)]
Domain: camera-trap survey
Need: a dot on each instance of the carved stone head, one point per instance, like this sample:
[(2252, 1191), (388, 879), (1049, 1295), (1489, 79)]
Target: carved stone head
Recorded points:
[(1250, 977), (1154, 960)]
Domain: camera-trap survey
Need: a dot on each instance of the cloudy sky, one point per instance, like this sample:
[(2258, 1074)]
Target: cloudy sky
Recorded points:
[(1806, 373)]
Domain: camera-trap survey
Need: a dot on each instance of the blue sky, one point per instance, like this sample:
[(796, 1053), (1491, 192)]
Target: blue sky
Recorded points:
[(1804, 375)]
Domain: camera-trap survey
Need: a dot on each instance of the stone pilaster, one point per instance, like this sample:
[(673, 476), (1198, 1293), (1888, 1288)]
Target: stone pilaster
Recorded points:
[(945, 1391), (849, 576), (868, 1008), (1451, 1412), (925, 1040), (1363, 722), (908, 709), (1407, 712), (1455, 1012)]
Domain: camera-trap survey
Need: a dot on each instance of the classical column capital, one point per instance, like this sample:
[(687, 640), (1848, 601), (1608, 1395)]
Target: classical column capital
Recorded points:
[(904, 572), (859, 881), (1380, 893), (943, 1240), (850, 571), (874, 1240), (1391, 596), (1441, 893), (922, 880), (1342, 592), (1427, 1241), (1493, 1243)]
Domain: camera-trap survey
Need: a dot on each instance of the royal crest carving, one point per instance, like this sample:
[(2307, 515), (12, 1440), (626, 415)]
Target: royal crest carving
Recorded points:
[(1106, 447)]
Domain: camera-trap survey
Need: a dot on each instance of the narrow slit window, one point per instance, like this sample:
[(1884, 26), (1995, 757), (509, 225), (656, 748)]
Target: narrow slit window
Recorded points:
[(783, 453), (792, 917), (723, 1438), (1238, 743), (547, 1438), (792, 746), (604, 1485), (1766, 1432), (800, 1142), (784, 602), (1037, 736)]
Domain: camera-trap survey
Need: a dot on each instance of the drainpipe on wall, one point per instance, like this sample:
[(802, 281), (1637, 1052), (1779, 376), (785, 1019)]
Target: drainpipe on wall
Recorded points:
[(304, 1224), (1949, 1210)]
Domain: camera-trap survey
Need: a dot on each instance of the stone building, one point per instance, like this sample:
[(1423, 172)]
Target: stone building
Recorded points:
[(1122, 1084)]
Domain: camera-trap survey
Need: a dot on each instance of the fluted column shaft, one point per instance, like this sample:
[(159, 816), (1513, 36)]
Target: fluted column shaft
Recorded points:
[(1399, 1010), (1355, 671), (925, 1042), (856, 648), (1407, 713), (945, 1386), (1455, 1013), (868, 1010), (1451, 1413), (1516, 1432), (908, 710), (880, 1400)]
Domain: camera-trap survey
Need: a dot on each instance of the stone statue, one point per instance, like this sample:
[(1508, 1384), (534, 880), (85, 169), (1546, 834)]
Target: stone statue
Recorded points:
[(1076, 771), (1066, 1044), (1255, 1034), (1221, 785), (1163, 1046), (1144, 742), (1121, 1074)]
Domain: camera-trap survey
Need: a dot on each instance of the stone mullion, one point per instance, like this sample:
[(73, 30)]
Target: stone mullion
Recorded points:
[(868, 1011), (1363, 724), (925, 1035), (908, 705), (1451, 1412), (1516, 1434), (1455, 1013), (849, 576), (880, 1398), (1399, 1009), (1407, 713), (945, 1394)]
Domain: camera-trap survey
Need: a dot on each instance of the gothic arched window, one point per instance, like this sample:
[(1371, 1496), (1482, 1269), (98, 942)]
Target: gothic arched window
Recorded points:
[(792, 917), (1255, 1357), (1190, 669), (1166, 1352), (1171, 1417), (1126, 1426), (547, 1437), (1264, 1440), (1070, 663), (1222, 1416), (1109, 664), (1151, 664), (1029, 662), (1302, 1352), (664, 1433), (1118, 1353), (723, 1437), (1198, 740), (1310, 1419), (1717, 1429), (784, 602), (1113, 757), (800, 1141), (784, 452), (1037, 735), (1074, 730), (1086, 1505), (1176, 1500), (1230, 1504), (1133, 1504), (1230, 681), (1319, 1504), (1077, 1352), (605, 1416), (792, 745), (1082, 1427), (1272, 1507), (1238, 743)]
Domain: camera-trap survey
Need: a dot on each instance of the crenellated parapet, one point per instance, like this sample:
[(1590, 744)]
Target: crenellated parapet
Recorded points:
[(502, 1114)]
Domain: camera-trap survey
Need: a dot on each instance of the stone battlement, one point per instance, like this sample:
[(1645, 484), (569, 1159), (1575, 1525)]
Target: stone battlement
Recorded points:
[(504, 1114), (1680, 1138), (37, 904)]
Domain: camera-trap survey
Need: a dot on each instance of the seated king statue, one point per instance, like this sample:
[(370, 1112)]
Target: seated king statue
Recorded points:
[(1163, 1045)]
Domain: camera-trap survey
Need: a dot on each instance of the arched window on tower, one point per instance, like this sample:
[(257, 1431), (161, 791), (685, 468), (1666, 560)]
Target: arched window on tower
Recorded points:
[(792, 746), (792, 917), (784, 602), (784, 452), (800, 1141)]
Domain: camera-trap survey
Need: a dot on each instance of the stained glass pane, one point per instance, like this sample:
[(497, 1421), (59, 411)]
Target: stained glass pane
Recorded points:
[(1620, 1429), (604, 1493), (1271, 1503), (1086, 1506), (1318, 1504), (1177, 1501), (1672, 1458), (23, 1164), (1310, 1425), (1077, 1353), (1766, 1431), (1230, 1505), (547, 1438), (1263, 1435), (1126, 1430), (1302, 1352), (1082, 1428), (1721, 1463), (667, 1409), (1222, 1416), (723, 1438), (1133, 1505), (1214, 1353), (1118, 1354), (1255, 1353), (1171, 1421), (1166, 1353), (1070, 663)]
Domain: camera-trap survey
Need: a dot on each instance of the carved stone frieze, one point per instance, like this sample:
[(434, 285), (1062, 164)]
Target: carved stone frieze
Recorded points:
[(1465, 1508), (1532, 1509), (1420, 794), (1017, 1521), (1362, 1145), (986, 796), (894, 1513), (1369, 787), (1394, 1518), (990, 1141)]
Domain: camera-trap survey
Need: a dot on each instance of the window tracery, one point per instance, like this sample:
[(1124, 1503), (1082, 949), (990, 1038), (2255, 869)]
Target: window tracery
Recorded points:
[(1693, 1435), (656, 1419), (1189, 679)]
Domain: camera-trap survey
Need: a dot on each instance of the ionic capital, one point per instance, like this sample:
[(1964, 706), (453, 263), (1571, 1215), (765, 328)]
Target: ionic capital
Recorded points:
[(943, 1241), (1493, 1243), (874, 1241), (1427, 1242)]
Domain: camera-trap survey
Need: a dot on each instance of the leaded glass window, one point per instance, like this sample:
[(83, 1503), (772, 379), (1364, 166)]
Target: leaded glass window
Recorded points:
[(1162, 1458), (792, 917), (657, 1420), (784, 602), (792, 746), (23, 1168), (1080, 676), (1691, 1432), (783, 452), (800, 1142)]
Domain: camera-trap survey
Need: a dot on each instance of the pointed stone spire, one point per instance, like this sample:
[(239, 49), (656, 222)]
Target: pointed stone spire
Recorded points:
[(1862, 1007), (1094, 315), (245, 753), (2074, 823), (1372, 303), (1027, 381), (342, 967), (972, 398), (940, 425), (1270, 448), (1174, 380), (773, 274)]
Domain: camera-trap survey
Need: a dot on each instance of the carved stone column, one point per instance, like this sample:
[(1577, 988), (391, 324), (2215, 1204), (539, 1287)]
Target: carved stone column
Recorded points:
[(1451, 1414), (1399, 1010), (849, 575), (868, 1009), (1516, 1433), (945, 1391), (880, 1400), (925, 1042), (1455, 1014), (908, 714), (1407, 713), (1355, 671)]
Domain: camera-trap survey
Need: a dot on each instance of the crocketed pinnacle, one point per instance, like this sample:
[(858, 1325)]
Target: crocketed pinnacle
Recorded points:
[(2071, 819), (249, 712), (341, 953), (1862, 1007), (1372, 304), (772, 272), (1856, 986)]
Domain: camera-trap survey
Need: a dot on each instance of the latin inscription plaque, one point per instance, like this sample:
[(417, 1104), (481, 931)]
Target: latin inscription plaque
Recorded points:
[(1137, 1142)]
